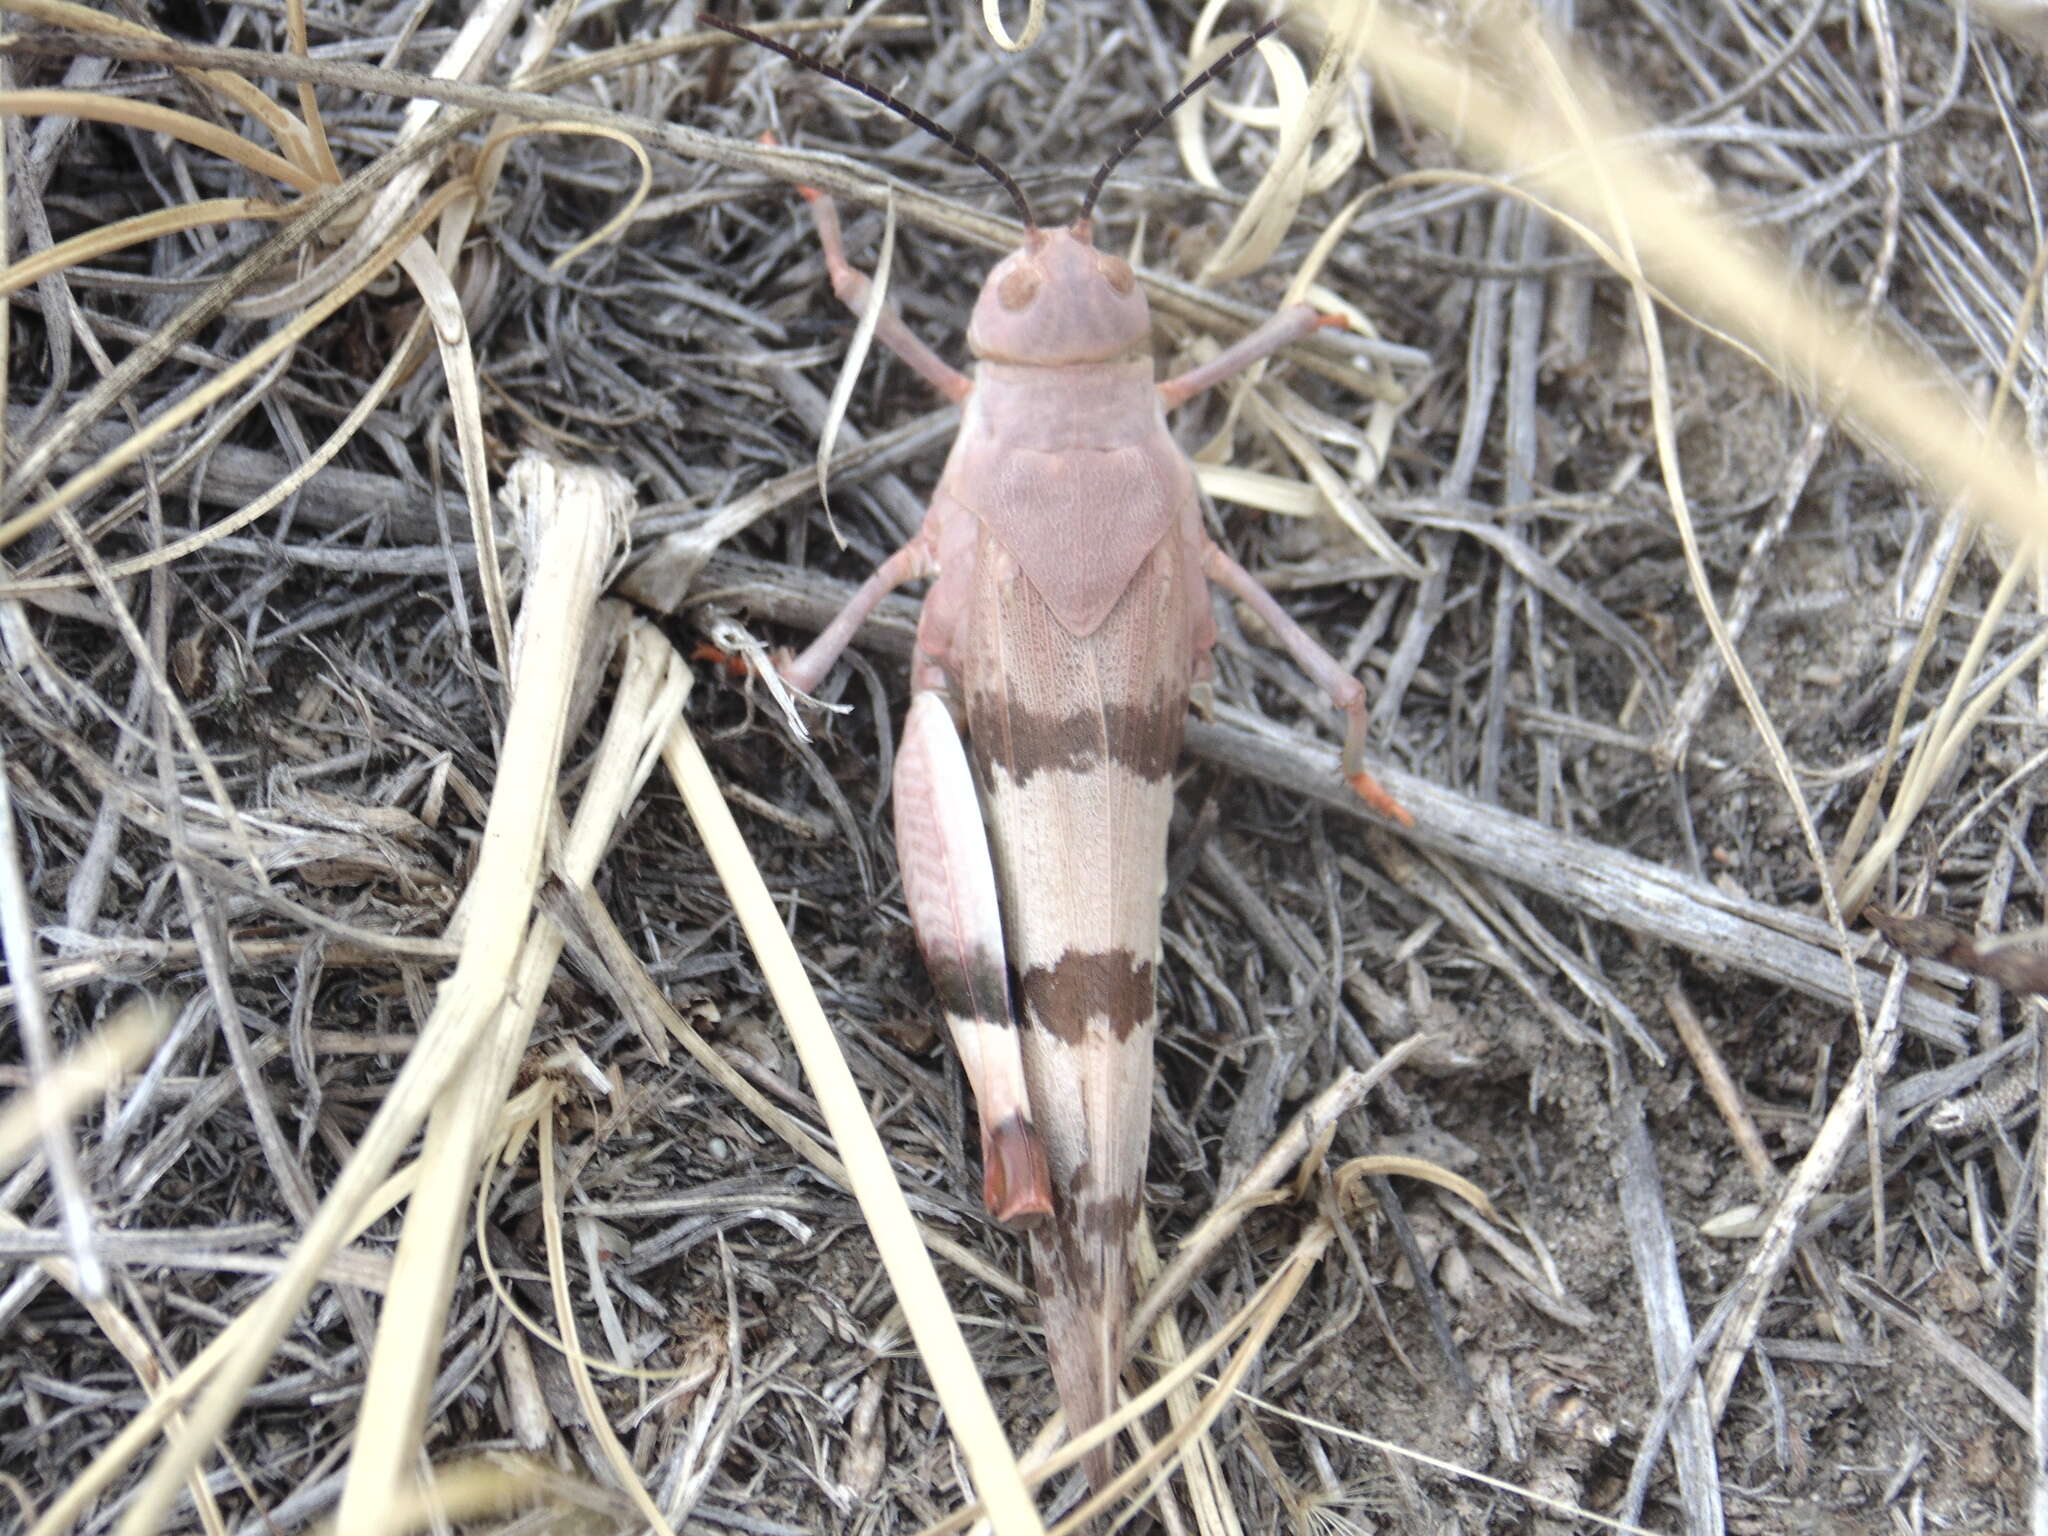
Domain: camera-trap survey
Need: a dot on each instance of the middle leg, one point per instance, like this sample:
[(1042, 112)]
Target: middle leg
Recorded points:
[(1345, 691)]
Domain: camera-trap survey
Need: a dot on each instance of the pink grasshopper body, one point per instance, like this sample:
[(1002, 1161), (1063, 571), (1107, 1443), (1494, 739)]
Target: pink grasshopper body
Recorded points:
[(1067, 621), (1069, 615)]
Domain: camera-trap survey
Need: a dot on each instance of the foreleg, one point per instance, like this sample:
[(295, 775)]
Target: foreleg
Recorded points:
[(853, 287), (1345, 691), (949, 885), (910, 563), (1283, 329)]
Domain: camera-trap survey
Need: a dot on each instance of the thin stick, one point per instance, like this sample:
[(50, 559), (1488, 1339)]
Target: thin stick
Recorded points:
[(930, 1316), (18, 932), (1774, 1250), (90, 1068), (1293, 1144), (1722, 1090)]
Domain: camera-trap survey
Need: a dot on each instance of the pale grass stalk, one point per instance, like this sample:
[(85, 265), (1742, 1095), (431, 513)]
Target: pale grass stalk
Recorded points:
[(1302, 285), (63, 1174), (1261, 1318), (1255, 1319), (468, 1491), (1305, 286), (1269, 213), (1579, 105), (121, 1332), (1950, 566), (1938, 746), (149, 660), (1300, 111), (650, 50), (94, 107), (2037, 1418), (1758, 1282), (309, 104), (533, 1326), (618, 221), (292, 136), (630, 976), (1290, 89), (1723, 280), (572, 520), (1595, 138), (465, 404), (930, 1316), (17, 637), (430, 270), (91, 1068), (118, 1457), (738, 641), (32, 1027), (1307, 1131), (88, 1069), (118, 236), (196, 400), (479, 36), (1350, 508), (1190, 126), (1034, 23), (1517, 1256), (1302, 1143), (1279, 494), (856, 356), (824, 172), (483, 30), (1200, 1465), (543, 38), (1375, 381), (1954, 724), (136, 565), (496, 911), (615, 1455), (38, 461), (1399, 1165), (116, 956), (1581, 1518)]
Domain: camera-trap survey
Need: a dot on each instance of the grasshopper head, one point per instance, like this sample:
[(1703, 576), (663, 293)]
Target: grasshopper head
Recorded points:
[(1057, 301)]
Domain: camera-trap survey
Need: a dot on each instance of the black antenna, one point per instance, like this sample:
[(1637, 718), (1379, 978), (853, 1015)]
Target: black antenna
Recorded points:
[(876, 94), (1173, 105)]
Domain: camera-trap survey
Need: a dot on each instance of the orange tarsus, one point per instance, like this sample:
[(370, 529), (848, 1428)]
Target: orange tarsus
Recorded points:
[(735, 666), (1369, 789), (808, 194)]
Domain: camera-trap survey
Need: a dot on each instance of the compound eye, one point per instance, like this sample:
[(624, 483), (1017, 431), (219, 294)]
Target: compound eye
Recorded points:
[(1117, 272), (1018, 288)]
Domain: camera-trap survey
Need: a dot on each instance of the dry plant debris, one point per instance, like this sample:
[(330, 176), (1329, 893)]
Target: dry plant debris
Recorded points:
[(397, 395)]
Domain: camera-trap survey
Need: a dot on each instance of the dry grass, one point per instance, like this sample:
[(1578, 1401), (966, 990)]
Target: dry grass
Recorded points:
[(405, 1131)]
